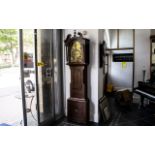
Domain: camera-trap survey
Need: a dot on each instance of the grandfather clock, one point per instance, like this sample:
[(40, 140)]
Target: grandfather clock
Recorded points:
[(77, 53)]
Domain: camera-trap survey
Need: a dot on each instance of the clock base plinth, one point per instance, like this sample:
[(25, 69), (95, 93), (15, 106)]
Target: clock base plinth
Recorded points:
[(78, 110)]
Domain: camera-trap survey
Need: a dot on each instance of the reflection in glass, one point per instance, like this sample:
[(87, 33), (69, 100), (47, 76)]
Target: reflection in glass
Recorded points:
[(29, 76), (45, 77), (58, 78), (49, 75)]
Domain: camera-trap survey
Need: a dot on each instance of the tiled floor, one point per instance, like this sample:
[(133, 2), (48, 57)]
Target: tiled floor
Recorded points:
[(131, 115), (124, 116)]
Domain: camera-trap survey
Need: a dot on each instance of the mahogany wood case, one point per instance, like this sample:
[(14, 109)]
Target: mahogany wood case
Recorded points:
[(77, 52)]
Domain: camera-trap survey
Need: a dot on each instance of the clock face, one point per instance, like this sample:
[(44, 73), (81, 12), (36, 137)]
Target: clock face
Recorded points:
[(76, 52)]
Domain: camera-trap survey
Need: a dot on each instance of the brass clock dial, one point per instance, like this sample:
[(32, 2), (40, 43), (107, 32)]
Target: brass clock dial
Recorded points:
[(77, 52)]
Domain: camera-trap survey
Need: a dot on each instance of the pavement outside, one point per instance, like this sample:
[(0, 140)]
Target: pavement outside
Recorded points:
[(11, 111)]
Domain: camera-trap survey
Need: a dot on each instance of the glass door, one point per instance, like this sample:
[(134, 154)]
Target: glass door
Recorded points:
[(28, 77), (49, 75), (41, 61), (45, 76)]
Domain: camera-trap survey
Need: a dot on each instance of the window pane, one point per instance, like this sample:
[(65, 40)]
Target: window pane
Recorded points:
[(113, 38), (153, 53), (125, 38), (122, 51)]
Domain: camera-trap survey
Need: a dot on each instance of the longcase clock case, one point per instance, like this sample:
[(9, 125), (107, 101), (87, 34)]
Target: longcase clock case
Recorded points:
[(77, 52)]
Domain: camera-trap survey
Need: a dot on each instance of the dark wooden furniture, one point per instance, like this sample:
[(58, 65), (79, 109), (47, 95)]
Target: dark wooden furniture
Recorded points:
[(152, 56), (77, 49), (145, 90)]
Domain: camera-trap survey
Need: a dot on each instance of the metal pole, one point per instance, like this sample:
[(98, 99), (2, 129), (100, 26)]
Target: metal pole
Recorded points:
[(22, 76), (133, 78), (118, 38), (62, 71), (36, 76), (53, 88)]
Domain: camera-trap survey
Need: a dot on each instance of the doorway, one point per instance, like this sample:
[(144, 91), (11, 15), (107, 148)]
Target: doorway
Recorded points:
[(120, 50), (42, 76), (10, 86)]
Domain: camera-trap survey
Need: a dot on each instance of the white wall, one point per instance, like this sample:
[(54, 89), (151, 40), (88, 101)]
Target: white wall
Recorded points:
[(120, 74), (92, 34), (121, 77), (142, 54), (142, 61)]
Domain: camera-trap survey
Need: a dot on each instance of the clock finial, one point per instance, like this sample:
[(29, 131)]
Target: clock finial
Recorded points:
[(74, 33)]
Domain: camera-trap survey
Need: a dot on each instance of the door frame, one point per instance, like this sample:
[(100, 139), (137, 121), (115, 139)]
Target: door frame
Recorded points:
[(36, 75), (48, 122), (22, 76)]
